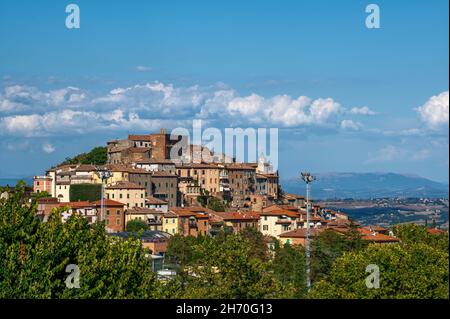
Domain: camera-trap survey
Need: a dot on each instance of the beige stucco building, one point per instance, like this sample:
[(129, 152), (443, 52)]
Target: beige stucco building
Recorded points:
[(132, 195)]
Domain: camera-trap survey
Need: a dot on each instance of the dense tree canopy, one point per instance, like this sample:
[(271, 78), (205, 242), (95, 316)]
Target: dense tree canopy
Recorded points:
[(97, 156), (405, 271), (136, 225), (34, 257)]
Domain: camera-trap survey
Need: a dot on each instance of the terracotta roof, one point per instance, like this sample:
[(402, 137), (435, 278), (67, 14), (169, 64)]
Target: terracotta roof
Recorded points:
[(170, 215), (240, 166), (435, 231), (139, 137), (80, 204), (289, 207), (196, 165), (124, 185), (237, 215), (154, 201), (198, 212), (118, 167), (108, 202), (378, 228), (163, 174), (275, 207), (196, 209), (141, 210), (380, 238), (85, 168), (279, 212), (155, 161), (301, 233)]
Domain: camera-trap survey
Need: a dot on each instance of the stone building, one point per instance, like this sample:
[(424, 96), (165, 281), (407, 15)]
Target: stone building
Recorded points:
[(132, 195)]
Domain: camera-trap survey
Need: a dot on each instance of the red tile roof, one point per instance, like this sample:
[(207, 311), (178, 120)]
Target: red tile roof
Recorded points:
[(237, 215), (301, 233), (154, 201), (139, 137), (108, 202), (435, 231), (80, 204)]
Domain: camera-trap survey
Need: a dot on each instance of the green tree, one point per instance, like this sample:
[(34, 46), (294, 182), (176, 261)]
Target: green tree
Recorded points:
[(226, 270), (43, 194), (34, 257), (412, 233), (216, 204), (330, 245), (136, 225), (406, 271), (83, 192), (289, 266), (257, 242), (96, 156)]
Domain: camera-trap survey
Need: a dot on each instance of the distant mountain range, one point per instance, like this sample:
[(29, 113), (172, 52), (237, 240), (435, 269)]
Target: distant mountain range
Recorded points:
[(13, 181), (367, 185)]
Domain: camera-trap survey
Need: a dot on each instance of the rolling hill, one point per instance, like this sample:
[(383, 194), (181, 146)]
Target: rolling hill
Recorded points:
[(367, 185)]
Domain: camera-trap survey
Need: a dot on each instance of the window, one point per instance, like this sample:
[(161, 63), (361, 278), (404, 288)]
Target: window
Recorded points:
[(107, 212), (37, 183), (128, 195), (128, 205), (107, 222), (118, 221), (142, 204), (120, 195), (118, 212), (265, 227), (265, 217)]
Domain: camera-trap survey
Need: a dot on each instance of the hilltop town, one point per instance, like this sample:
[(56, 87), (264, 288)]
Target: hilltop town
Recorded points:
[(190, 196)]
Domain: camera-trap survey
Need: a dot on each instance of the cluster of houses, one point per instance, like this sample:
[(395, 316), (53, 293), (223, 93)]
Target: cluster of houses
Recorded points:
[(146, 184)]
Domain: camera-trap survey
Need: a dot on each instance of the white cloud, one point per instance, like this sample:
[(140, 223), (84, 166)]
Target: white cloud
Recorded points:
[(20, 98), (69, 122), (33, 112), (282, 110), (351, 125), (362, 111), (434, 113), (48, 148), (392, 153), (389, 153), (143, 68)]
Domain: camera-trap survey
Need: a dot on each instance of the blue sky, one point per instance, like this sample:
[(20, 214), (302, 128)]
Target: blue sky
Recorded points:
[(344, 97)]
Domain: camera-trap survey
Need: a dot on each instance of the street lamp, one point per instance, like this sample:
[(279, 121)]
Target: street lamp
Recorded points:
[(103, 173), (307, 178)]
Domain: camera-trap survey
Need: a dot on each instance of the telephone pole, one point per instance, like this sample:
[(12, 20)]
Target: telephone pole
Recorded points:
[(103, 173), (308, 179)]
